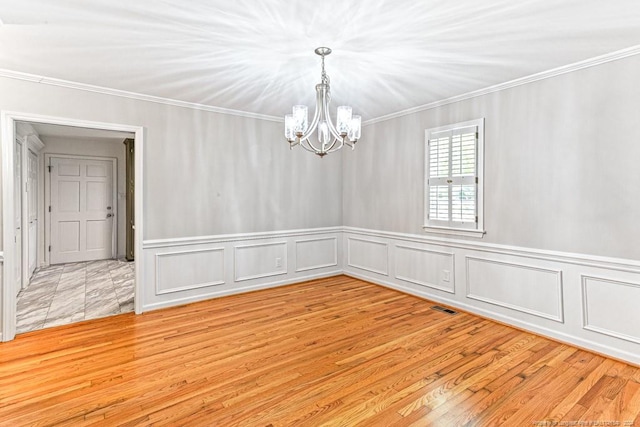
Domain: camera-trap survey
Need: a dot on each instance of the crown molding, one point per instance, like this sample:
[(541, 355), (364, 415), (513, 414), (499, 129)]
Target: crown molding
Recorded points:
[(591, 62), (132, 95)]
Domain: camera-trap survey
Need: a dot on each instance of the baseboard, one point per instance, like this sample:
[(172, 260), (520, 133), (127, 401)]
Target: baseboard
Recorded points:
[(239, 290)]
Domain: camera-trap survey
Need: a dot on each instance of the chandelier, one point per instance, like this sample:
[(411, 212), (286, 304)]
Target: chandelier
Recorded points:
[(329, 138)]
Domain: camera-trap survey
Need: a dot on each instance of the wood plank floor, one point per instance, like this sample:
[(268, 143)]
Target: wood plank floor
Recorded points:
[(336, 351)]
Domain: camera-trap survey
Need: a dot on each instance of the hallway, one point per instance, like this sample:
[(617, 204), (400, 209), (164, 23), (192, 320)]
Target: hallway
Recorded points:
[(68, 293)]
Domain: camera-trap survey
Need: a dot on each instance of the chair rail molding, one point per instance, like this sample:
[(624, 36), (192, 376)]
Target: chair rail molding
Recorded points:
[(236, 237), (586, 260)]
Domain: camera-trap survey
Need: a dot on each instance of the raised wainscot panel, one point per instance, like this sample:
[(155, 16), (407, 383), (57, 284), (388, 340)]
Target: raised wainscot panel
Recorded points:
[(610, 307), (520, 287), (425, 267), (192, 269), (368, 255), (260, 260), (316, 253)]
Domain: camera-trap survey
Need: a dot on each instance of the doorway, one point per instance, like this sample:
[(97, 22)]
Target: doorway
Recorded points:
[(88, 232)]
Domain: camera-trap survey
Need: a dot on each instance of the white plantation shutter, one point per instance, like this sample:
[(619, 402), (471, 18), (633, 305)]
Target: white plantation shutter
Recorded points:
[(452, 176)]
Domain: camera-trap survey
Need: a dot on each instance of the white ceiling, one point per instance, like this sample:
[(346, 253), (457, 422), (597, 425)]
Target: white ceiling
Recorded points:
[(257, 56)]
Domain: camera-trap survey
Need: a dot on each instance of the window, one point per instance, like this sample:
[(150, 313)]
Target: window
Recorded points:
[(453, 178)]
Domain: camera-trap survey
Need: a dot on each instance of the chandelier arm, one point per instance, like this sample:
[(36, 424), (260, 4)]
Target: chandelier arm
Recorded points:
[(333, 144), (311, 150), (316, 115), (339, 147), (332, 128), (312, 147)]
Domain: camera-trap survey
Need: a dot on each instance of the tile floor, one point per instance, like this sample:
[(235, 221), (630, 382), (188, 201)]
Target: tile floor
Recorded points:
[(68, 293)]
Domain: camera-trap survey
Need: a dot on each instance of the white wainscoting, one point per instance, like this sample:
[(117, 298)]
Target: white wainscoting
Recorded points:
[(611, 307), (180, 271), (587, 301), (189, 269), (583, 300), (368, 255), (259, 260), (430, 268), (316, 253), (517, 286)]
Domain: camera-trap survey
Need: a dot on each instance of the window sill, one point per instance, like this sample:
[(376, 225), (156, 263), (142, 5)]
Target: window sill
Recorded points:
[(467, 232)]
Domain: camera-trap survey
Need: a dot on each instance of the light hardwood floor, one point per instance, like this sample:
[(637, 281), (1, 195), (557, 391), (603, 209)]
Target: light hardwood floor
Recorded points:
[(336, 351)]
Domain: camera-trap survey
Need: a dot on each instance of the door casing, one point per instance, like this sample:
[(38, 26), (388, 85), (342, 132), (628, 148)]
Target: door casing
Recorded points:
[(32, 212), (17, 217), (8, 121)]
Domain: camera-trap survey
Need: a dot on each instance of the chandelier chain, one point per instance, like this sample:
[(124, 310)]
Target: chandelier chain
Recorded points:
[(324, 74), (325, 79)]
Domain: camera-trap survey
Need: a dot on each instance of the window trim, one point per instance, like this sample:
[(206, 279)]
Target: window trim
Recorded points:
[(479, 230)]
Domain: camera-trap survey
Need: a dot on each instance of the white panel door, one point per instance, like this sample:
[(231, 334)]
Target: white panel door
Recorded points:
[(82, 211), (17, 208), (32, 202)]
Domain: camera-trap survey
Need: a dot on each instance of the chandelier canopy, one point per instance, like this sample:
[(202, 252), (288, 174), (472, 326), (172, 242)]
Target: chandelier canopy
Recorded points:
[(330, 138)]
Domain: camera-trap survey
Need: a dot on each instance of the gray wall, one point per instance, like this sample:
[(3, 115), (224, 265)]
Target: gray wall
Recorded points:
[(562, 164), (205, 173)]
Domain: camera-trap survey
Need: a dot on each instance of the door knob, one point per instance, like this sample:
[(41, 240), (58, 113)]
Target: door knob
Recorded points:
[(109, 215)]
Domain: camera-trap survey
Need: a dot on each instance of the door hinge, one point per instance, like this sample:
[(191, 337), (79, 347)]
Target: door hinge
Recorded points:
[(476, 219), (476, 179), (49, 248), (49, 208)]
